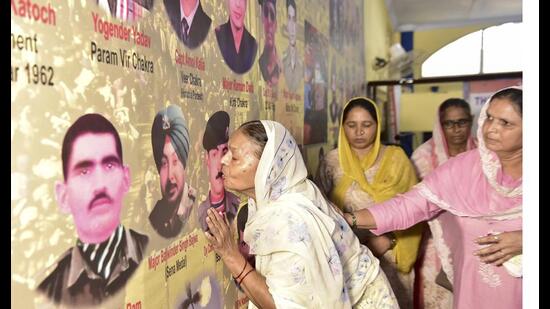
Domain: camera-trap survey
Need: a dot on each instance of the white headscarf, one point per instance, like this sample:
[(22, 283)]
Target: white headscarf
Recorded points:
[(291, 215)]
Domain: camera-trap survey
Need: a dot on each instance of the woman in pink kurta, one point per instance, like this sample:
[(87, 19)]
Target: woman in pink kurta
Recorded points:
[(451, 136), (482, 188)]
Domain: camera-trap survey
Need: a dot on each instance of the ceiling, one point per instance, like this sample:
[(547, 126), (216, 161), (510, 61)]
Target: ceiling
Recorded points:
[(414, 15)]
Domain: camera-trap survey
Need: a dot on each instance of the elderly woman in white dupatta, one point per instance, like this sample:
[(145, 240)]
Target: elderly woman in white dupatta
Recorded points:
[(306, 254), (482, 188)]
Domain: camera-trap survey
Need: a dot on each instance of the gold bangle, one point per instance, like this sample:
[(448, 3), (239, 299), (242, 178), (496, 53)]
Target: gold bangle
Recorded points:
[(393, 240)]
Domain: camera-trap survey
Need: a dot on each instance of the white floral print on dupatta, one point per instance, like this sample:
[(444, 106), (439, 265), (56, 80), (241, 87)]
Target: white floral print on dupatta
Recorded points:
[(290, 216)]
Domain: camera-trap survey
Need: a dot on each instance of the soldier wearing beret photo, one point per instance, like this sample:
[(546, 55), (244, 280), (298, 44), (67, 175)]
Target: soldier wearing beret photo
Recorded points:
[(214, 141)]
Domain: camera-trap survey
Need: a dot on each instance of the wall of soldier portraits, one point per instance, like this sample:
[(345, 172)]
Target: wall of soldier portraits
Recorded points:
[(90, 229)]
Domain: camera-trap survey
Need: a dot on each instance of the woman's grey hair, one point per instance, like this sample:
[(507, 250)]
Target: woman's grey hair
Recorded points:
[(255, 131)]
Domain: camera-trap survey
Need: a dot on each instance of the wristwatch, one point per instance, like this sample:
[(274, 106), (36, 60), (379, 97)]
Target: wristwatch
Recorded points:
[(393, 239)]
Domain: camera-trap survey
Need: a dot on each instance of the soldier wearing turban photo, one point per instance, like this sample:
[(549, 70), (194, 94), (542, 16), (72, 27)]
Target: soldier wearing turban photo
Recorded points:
[(214, 141), (170, 140)]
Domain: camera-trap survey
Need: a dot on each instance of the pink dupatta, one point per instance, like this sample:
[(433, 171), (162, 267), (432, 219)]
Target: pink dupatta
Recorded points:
[(426, 158), (473, 188), (473, 185), (435, 151)]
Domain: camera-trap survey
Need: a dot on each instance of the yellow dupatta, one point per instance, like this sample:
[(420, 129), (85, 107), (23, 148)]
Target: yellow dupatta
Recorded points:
[(395, 175)]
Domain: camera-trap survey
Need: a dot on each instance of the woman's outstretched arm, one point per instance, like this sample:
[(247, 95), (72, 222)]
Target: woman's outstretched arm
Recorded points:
[(398, 213)]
